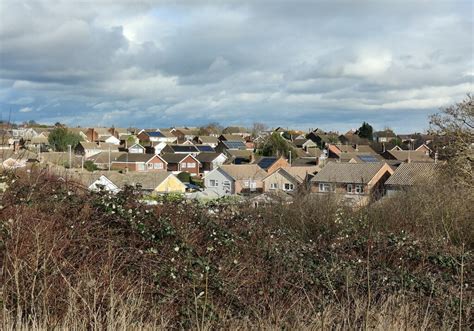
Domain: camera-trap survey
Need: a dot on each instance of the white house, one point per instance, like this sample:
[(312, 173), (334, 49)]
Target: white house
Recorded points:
[(104, 183)]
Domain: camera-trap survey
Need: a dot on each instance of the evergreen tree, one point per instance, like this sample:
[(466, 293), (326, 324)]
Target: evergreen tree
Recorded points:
[(365, 131)]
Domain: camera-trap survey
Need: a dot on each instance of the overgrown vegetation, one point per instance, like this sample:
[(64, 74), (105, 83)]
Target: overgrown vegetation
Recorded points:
[(75, 259), (61, 138)]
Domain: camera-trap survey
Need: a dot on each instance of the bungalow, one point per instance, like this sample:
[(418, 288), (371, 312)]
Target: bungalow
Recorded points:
[(210, 161), (103, 160), (237, 131), (225, 145), (183, 134), (160, 182), (358, 183), (139, 162), (407, 175), (110, 140), (88, 149), (182, 162), (407, 156), (231, 137), (239, 156), (235, 179), (207, 140), (181, 149)]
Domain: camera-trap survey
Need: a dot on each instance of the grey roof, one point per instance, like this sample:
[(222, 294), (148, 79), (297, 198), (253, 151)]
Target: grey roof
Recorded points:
[(415, 156), (408, 174), (207, 157), (174, 158), (358, 173), (243, 171), (148, 180), (103, 157), (134, 157), (208, 139)]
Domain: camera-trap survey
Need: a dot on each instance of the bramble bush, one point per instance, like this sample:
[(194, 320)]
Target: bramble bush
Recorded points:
[(183, 264)]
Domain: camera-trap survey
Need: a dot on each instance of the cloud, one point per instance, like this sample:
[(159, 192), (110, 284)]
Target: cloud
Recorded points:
[(26, 110), (300, 63)]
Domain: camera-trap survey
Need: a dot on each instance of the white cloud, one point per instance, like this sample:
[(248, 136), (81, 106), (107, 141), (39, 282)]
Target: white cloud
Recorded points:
[(26, 110)]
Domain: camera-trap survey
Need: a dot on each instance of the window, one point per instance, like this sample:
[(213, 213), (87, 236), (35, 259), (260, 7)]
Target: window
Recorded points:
[(289, 187), (359, 189), (349, 188), (158, 165), (246, 183), (183, 165), (192, 165), (324, 187), (141, 166), (273, 186), (213, 183), (150, 165)]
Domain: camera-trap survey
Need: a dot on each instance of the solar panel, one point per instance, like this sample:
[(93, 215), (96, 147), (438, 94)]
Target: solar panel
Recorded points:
[(368, 158), (155, 134), (234, 144), (184, 148), (266, 162), (205, 148)]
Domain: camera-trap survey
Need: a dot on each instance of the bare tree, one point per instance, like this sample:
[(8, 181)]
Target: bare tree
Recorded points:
[(257, 128), (455, 126)]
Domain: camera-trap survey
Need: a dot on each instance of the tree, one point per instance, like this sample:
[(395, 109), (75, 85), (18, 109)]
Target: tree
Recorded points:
[(454, 126), (365, 131), (258, 128), (210, 128), (276, 145), (60, 138), (90, 166)]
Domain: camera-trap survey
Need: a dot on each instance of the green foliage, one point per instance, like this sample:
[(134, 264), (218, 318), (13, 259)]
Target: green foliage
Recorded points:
[(90, 166), (60, 138), (184, 176), (276, 145), (366, 131)]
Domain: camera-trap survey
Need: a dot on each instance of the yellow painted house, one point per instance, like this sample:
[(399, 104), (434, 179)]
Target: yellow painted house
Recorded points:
[(171, 184)]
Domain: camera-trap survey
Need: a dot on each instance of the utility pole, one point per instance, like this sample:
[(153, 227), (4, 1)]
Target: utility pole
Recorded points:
[(109, 158), (70, 156), (290, 157)]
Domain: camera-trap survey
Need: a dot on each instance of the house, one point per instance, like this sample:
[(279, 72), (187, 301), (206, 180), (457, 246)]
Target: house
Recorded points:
[(407, 156), (182, 162), (82, 132), (186, 133), (231, 137), (210, 161), (271, 163), (181, 149), (136, 149), (235, 179), (110, 140), (357, 183), (88, 149), (384, 136), (139, 162), (407, 175), (97, 134), (160, 182), (39, 143), (236, 130), (321, 139), (225, 145), (207, 140), (239, 156), (103, 160), (288, 179)]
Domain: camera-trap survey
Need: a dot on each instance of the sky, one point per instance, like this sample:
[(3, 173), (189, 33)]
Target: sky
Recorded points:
[(298, 64)]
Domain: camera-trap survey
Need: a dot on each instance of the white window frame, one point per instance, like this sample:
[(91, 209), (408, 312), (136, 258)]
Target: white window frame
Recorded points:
[(359, 189), (158, 165), (273, 186), (350, 188), (141, 166), (183, 165), (246, 183), (289, 187), (150, 165), (213, 183), (191, 165), (325, 187)]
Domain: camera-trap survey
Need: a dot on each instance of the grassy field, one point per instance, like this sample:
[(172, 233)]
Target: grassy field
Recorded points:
[(71, 259)]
